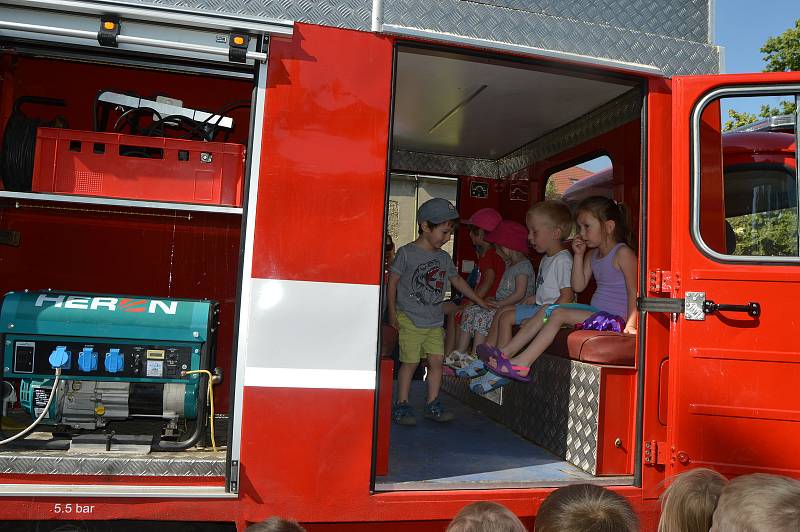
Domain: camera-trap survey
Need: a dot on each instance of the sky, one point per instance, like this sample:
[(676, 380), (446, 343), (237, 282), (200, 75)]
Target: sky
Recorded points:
[(742, 27)]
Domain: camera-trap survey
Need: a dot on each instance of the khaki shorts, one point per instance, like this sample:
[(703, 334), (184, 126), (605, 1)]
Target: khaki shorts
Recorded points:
[(417, 343)]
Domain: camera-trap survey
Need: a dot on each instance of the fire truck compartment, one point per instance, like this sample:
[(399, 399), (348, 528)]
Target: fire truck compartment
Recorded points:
[(502, 128), (123, 179)]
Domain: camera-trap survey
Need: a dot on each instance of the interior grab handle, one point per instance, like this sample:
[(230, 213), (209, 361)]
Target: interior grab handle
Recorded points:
[(751, 308)]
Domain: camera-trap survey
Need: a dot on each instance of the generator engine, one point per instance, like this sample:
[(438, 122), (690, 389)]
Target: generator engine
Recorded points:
[(120, 356)]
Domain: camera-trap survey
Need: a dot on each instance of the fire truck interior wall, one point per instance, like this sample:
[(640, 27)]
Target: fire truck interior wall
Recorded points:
[(469, 112), (119, 249)]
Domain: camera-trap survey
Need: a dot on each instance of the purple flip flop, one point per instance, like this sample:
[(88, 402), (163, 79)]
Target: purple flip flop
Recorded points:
[(506, 369), (485, 351)]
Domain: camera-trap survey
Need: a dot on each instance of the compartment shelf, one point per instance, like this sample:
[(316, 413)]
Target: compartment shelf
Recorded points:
[(141, 204)]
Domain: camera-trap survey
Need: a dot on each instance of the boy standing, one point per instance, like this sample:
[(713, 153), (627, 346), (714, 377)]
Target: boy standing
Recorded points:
[(416, 289)]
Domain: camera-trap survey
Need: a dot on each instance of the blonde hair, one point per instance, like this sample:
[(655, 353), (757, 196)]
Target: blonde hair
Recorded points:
[(585, 508), (759, 502), (556, 212), (485, 517), (688, 504)]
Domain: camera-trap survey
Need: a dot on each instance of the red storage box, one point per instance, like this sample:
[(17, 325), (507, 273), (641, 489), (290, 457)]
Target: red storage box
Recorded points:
[(135, 167)]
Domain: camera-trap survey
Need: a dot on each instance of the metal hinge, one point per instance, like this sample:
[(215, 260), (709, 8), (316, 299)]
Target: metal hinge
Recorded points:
[(233, 481), (655, 453), (664, 281)]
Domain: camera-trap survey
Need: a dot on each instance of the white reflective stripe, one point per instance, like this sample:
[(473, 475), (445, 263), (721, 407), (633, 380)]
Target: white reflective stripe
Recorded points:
[(340, 379), (312, 334)]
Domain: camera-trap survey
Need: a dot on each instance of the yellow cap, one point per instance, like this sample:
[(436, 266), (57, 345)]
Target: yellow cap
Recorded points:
[(99, 410), (108, 25), (238, 40)]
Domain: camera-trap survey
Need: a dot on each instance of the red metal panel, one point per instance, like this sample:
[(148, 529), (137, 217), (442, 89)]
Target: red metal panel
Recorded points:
[(323, 175), (615, 434), (733, 398), (659, 210), (384, 416)]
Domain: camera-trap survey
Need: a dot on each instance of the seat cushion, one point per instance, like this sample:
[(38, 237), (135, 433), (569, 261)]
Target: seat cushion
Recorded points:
[(602, 347), (595, 347)]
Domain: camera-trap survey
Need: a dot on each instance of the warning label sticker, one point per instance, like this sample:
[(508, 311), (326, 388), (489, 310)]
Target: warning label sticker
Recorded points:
[(40, 397)]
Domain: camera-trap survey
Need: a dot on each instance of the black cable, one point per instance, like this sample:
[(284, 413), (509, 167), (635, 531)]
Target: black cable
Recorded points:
[(133, 111), (19, 144), (225, 109)]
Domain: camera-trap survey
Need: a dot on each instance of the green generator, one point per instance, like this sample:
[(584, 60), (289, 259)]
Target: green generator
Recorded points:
[(120, 356)]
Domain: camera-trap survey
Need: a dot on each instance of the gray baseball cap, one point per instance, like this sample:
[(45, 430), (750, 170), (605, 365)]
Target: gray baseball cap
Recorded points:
[(436, 211)]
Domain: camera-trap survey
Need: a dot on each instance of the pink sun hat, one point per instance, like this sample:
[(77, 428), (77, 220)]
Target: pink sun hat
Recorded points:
[(486, 219), (512, 235)]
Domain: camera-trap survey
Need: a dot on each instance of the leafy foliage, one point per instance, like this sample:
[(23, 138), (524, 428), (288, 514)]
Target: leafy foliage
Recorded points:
[(782, 53), (771, 233), (738, 119)]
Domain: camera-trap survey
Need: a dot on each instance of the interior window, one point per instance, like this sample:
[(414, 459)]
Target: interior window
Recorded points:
[(594, 177), (748, 179)]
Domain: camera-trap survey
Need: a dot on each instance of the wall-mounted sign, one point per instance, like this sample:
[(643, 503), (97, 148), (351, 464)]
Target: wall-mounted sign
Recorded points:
[(518, 190), (478, 189)]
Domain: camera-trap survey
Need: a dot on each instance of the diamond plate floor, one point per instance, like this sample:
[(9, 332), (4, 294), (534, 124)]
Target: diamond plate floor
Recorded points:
[(471, 452)]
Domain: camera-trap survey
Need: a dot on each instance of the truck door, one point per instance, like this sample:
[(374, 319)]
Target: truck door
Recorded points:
[(734, 357)]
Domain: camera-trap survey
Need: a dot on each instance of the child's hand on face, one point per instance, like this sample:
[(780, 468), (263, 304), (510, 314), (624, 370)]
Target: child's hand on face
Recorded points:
[(578, 246)]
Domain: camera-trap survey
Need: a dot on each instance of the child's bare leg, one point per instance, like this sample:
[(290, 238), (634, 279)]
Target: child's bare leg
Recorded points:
[(434, 377), (404, 376), (492, 337), (559, 317), (479, 339), (463, 340), (451, 332), (505, 327), (524, 335)]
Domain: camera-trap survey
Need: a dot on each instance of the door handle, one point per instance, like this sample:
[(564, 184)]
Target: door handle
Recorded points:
[(751, 308)]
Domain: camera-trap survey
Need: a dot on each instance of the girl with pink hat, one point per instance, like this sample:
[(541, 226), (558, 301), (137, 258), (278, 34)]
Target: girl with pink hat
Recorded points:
[(485, 278), (518, 282)]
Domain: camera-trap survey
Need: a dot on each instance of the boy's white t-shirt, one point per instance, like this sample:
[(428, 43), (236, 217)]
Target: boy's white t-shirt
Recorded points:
[(555, 273)]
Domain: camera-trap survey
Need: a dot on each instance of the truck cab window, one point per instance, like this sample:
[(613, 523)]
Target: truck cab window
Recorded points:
[(747, 194)]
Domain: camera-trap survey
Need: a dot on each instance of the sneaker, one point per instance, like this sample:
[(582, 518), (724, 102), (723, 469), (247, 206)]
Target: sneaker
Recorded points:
[(403, 414), (457, 359), (435, 411)]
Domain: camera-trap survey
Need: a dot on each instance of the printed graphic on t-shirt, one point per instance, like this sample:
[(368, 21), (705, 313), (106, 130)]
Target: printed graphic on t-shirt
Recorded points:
[(428, 283)]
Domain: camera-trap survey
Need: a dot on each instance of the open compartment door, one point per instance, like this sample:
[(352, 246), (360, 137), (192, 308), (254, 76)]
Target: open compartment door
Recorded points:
[(734, 360)]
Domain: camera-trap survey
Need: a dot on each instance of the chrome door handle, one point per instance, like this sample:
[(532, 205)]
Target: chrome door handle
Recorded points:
[(751, 308)]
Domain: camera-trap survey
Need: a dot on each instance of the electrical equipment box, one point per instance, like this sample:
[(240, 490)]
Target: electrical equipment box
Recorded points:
[(120, 356)]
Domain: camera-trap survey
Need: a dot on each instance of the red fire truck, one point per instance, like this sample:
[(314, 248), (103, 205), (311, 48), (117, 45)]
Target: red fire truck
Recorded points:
[(192, 222)]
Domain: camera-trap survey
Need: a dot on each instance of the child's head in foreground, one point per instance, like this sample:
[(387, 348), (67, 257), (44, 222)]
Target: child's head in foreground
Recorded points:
[(485, 517), (688, 504), (585, 508), (758, 502)]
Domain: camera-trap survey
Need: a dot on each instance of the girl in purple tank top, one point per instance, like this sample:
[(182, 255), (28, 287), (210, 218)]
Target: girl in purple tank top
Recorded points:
[(601, 249)]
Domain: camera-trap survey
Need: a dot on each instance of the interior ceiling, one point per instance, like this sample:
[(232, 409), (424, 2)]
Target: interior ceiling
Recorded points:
[(478, 107)]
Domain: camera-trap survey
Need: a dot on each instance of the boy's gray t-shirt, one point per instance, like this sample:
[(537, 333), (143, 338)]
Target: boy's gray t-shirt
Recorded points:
[(423, 279)]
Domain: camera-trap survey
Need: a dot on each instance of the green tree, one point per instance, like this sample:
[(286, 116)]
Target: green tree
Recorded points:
[(782, 53), (738, 119), (550, 190)]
